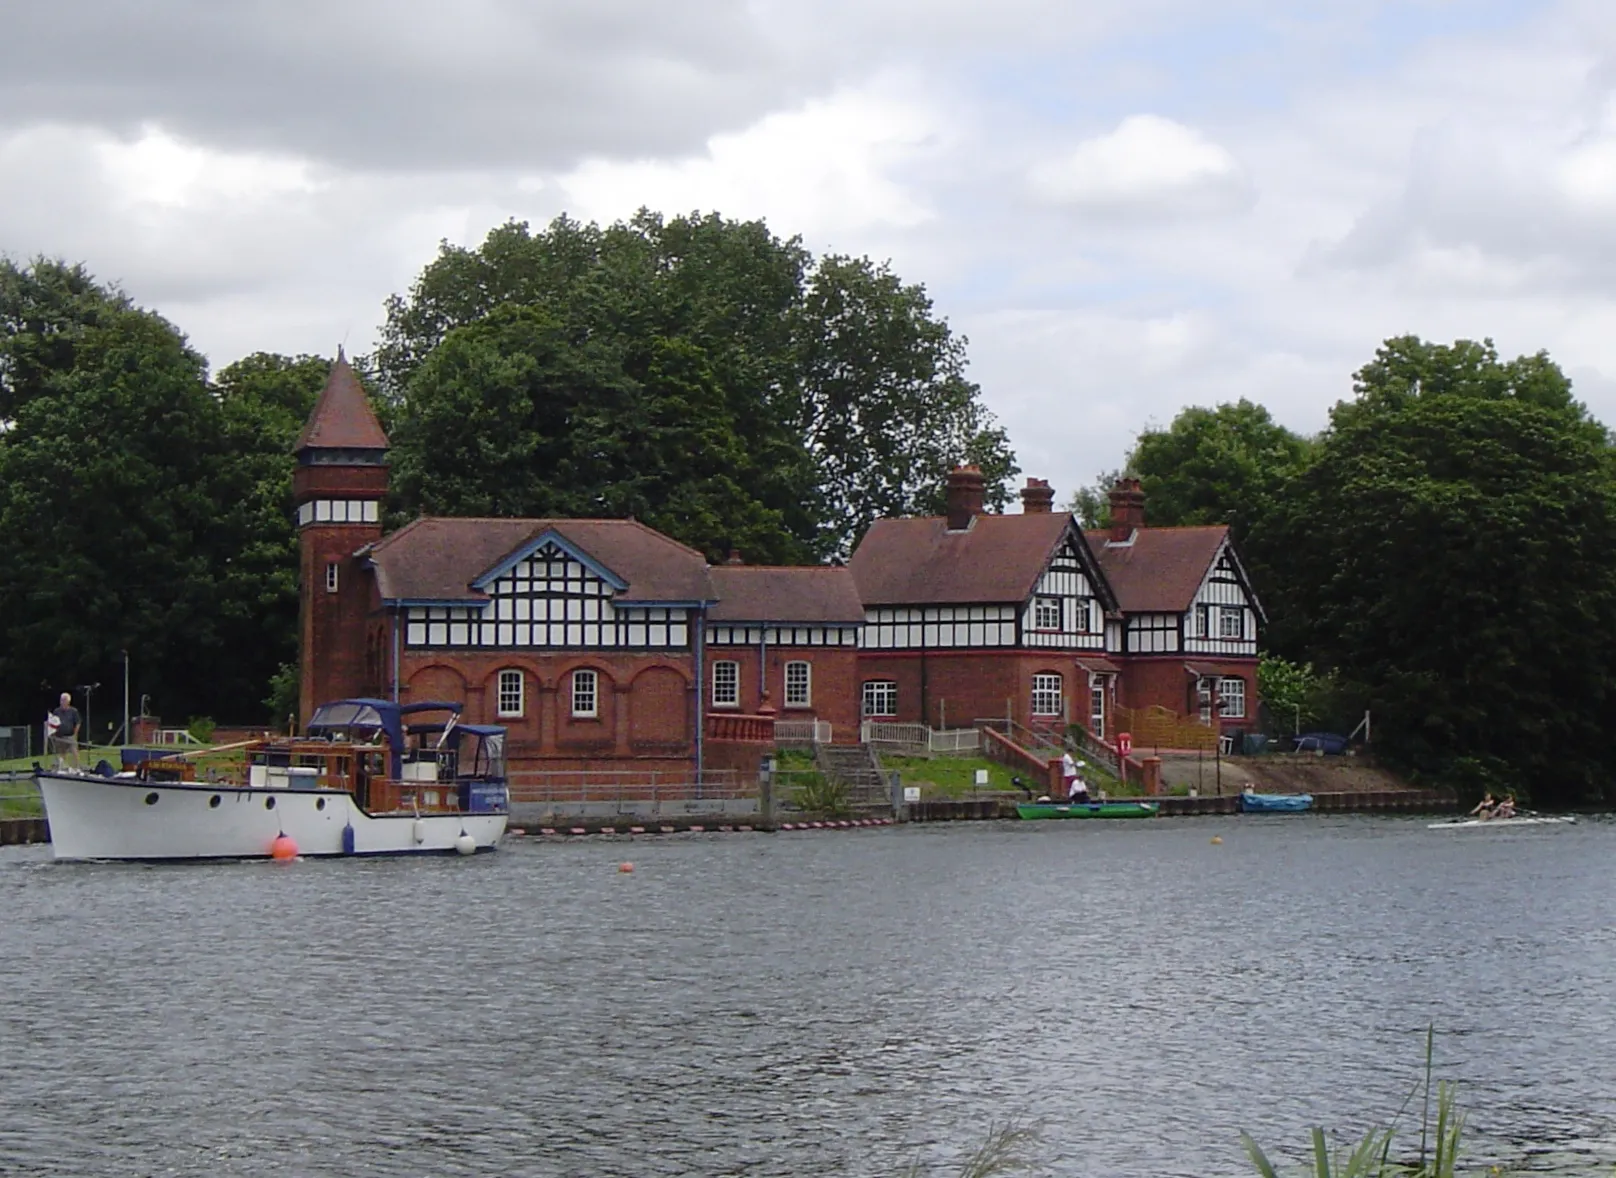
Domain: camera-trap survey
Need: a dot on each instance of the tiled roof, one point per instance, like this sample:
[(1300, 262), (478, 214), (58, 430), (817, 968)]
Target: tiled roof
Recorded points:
[(754, 593), (342, 418), (920, 562), (437, 558), (1163, 567)]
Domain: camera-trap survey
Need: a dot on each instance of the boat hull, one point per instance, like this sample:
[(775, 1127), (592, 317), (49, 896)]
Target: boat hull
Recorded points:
[(1499, 823), (1275, 803), (1034, 810), (95, 817)]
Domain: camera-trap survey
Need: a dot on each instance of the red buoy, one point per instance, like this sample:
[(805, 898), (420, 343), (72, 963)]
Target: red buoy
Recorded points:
[(283, 848)]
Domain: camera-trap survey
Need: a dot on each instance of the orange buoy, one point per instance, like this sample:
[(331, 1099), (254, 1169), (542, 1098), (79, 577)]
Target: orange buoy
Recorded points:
[(625, 869), (283, 848)]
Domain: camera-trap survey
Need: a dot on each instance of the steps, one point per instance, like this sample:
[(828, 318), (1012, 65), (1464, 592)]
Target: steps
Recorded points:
[(857, 767)]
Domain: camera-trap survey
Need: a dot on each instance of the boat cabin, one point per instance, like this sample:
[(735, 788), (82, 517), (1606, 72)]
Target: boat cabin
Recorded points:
[(392, 757)]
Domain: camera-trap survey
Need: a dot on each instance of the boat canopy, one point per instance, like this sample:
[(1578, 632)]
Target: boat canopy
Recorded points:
[(365, 720)]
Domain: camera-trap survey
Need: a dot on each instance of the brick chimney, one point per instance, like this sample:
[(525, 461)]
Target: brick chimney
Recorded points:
[(1127, 509), (964, 496), (1037, 497)]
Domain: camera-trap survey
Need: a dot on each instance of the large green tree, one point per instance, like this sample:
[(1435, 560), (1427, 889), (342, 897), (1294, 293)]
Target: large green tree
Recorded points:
[(138, 509), (844, 394), (1451, 550)]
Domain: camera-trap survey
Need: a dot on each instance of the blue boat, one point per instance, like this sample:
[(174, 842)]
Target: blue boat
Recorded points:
[(1254, 803)]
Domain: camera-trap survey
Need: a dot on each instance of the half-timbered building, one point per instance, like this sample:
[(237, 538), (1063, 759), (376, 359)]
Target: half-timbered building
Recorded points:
[(972, 615), (603, 644), (1189, 618)]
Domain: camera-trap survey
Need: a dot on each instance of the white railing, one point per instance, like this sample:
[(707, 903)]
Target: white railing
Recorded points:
[(176, 736), (920, 736), (801, 733)]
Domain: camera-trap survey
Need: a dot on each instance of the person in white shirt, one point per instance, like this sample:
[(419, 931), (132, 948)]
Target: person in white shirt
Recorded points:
[(1076, 789)]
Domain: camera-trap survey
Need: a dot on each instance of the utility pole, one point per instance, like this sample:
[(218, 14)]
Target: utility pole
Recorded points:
[(88, 732), (126, 739)]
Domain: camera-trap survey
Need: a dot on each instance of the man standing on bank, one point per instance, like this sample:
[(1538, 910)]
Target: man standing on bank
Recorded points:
[(64, 730), (1077, 790)]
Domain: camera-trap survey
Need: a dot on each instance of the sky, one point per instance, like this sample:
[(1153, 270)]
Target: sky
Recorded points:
[(1127, 206)]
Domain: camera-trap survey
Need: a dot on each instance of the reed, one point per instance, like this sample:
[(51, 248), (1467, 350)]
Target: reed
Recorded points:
[(1372, 1156), (1001, 1153)]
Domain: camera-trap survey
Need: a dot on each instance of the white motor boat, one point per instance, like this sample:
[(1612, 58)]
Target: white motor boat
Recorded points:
[(361, 781)]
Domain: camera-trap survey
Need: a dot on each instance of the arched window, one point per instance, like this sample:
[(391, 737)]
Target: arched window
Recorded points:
[(585, 693), (511, 692), (799, 685), (726, 684)]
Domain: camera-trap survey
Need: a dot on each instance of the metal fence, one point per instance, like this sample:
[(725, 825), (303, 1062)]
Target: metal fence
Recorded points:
[(19, 796), (541, 794), (799, 734), (16, 741), (919, 737)]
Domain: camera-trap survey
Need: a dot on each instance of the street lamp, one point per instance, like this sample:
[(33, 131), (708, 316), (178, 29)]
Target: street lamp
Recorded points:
[(87, 688)]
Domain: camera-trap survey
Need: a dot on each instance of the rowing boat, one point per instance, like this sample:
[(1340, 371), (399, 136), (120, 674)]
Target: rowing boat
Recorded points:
[(1088, 809), (1490, 823)]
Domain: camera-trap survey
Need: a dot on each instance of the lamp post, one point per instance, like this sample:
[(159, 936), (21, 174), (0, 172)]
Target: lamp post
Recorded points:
[(87, 689), (126, 739)]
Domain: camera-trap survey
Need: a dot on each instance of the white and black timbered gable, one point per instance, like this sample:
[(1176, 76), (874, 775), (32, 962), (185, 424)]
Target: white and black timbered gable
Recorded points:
[(1068, 605), (549, 595), (1225, 614)]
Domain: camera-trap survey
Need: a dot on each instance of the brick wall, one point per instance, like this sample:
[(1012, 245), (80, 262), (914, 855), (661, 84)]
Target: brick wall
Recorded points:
[(833, 679)]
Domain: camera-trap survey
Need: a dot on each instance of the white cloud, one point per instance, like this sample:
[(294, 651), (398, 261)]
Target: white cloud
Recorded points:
[(823, 169), (1148, 166)]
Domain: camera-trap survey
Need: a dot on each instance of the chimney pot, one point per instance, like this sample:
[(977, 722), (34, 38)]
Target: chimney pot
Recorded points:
[(964, 496), (1037, 497)]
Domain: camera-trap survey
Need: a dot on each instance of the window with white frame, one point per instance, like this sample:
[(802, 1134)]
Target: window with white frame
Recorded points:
[(1230, 623), (1232, 699), (585, 693), (1046, 613), (726, 684), (880, 697), (331, 576), (510, 693), (1046, 695), (799, 685), (1080, 619), (1203, 697), (1202, 627), (1097, 707)]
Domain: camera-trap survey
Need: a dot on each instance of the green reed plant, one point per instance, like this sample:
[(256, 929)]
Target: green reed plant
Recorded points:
[(818, 794), (1371, 1157), (1001, 1153)]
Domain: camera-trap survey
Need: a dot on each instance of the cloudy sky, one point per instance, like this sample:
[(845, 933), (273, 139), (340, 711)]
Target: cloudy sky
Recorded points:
[(1128, 206)]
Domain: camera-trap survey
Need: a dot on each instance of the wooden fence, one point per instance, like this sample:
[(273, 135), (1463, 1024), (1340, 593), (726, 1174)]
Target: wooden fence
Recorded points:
[(1162, 728)]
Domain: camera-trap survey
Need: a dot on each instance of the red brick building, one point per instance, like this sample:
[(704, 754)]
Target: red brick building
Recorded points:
[(970, 616), (605, 645)]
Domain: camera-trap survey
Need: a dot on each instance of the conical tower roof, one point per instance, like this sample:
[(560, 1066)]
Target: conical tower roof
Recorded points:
[(342, 417)]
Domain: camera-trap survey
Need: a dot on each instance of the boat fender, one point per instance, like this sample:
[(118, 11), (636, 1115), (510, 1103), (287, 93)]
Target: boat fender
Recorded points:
[(465, 844), (419, 830), (283, 848), (348, 839)]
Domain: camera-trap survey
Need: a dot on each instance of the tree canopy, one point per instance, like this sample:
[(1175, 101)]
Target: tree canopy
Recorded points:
[(827, 389), (140, 510)]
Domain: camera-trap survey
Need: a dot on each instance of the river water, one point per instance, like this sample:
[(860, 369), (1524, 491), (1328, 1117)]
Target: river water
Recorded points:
[(842, 1003)]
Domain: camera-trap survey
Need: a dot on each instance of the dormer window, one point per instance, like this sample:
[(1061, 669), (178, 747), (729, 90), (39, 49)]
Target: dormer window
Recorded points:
[(1046, 613)]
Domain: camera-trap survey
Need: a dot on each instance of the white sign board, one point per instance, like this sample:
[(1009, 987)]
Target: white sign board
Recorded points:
[(981, 777), (911, 793)]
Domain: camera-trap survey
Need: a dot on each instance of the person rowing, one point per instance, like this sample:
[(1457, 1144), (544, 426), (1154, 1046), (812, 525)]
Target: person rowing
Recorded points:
[(1486, 808), (1505, 808)]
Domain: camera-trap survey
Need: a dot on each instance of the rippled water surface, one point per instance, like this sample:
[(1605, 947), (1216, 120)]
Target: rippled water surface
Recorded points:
[(811, 1004)]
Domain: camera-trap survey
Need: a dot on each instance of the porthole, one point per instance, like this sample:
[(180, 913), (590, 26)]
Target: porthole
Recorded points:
[(319, 803), (269, 802), (213, 802), (151, 799)]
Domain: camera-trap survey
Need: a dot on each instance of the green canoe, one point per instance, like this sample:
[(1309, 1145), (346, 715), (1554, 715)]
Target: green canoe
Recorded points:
[(1088, 810)]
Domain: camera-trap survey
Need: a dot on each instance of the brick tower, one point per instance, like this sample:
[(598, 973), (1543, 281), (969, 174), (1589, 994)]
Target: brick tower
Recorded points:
[(337, 489)]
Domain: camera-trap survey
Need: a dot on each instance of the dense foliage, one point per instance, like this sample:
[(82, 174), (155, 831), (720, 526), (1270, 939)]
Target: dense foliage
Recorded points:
[(141, 510), (1445, 550), (814, 395)]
